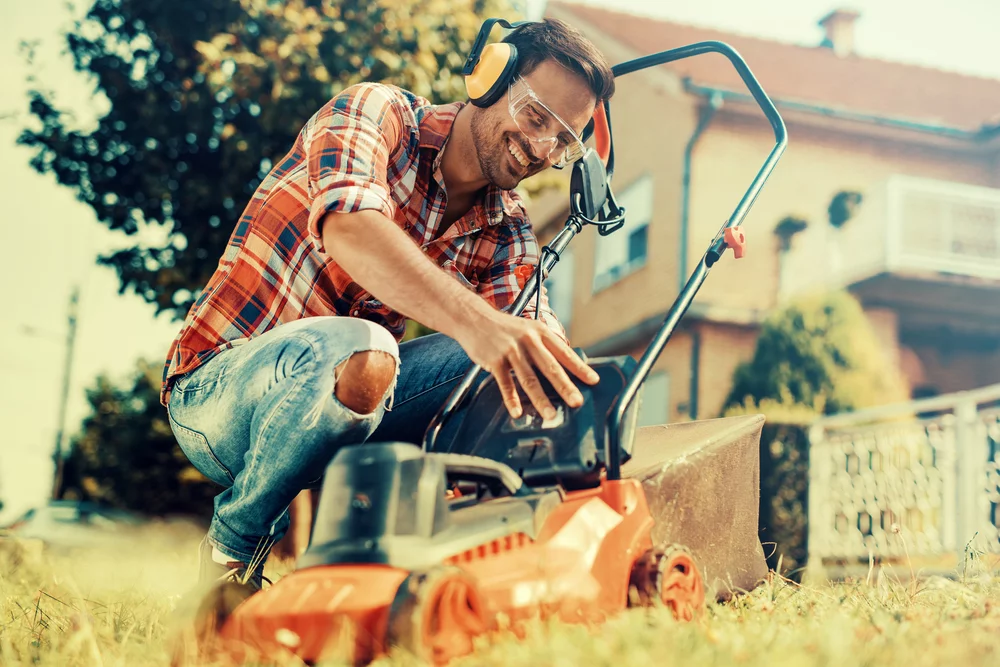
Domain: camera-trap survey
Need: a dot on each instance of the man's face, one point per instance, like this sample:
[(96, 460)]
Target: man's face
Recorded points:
[(506, 156)]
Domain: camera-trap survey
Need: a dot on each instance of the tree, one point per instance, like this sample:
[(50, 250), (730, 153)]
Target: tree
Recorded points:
[(818, 355), (204, 96), (126, 455)]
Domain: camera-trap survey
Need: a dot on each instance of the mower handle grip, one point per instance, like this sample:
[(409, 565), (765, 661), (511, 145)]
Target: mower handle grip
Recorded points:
[(602, 134), (473, 468)]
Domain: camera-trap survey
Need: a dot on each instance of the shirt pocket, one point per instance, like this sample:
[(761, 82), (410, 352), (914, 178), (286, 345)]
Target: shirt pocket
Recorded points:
[(470, 282)]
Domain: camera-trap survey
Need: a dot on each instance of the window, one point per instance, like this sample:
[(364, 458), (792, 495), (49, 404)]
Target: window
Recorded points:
[(559, 288), (625, 250), (655, 407)]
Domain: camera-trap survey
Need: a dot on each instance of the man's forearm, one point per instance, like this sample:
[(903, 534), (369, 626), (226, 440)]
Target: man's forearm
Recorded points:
[(381, 258)]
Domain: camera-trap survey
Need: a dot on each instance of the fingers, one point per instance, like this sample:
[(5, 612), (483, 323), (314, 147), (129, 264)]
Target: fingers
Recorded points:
[(537, 347), (529, 382), (569, 359), (508, 390), (553, 370), (549, 354)]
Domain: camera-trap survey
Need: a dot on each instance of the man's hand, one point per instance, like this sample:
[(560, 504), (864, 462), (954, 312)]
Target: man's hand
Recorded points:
[(504, 343), (383, 259)]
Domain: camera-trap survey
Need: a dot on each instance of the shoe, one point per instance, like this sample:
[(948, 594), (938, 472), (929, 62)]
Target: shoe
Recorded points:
[(211, 572)]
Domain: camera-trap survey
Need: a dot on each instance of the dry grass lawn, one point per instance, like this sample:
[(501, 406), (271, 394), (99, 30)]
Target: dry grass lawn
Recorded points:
[(114, 609)]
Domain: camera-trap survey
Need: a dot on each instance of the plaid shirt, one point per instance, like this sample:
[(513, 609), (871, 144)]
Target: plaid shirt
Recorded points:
[(373, 147)]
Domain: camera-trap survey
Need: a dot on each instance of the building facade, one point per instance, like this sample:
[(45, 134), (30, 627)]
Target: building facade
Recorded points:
[(890, 187)]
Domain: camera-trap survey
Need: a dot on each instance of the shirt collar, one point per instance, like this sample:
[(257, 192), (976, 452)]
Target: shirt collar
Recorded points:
[(435, 131)]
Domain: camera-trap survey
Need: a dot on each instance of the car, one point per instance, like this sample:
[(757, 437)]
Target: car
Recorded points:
[(69, 524)]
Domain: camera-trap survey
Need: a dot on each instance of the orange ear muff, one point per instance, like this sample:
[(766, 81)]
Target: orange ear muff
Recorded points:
[(488, 69), (597, 127), (602, 134), (489, 79)]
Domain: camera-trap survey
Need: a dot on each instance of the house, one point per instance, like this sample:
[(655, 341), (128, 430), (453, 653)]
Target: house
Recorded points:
[(890, 187)]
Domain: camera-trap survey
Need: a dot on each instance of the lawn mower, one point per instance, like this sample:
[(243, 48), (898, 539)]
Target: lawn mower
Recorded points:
[(493, 521)]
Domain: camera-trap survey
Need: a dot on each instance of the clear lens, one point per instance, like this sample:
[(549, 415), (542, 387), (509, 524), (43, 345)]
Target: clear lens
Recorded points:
[(551, 136)]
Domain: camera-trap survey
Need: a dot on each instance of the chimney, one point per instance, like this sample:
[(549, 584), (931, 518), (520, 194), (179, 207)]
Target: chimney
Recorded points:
[(839, 27)]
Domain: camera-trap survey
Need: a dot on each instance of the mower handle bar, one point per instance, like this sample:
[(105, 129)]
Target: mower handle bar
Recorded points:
[(683, 301), (715, 250)]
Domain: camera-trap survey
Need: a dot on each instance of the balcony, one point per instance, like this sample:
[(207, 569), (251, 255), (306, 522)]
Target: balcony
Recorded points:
[(928, 249)]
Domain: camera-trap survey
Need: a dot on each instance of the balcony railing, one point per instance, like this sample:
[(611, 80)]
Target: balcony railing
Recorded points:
[(905, 226), (943, 227), (920, 479)]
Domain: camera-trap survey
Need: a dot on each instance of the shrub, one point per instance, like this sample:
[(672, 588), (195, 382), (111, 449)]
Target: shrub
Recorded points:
[(818, 355)]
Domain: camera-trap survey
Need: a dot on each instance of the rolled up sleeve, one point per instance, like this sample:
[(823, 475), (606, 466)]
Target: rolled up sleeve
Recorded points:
[(348, 146)]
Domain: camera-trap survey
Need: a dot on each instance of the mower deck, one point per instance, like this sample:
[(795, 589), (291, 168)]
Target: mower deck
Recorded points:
[(578, 556), (580, 560)]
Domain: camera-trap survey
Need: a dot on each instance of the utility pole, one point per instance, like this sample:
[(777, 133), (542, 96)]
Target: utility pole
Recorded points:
[(57, 454)]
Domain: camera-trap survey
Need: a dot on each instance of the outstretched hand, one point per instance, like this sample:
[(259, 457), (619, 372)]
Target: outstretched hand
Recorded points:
[(512, 349)]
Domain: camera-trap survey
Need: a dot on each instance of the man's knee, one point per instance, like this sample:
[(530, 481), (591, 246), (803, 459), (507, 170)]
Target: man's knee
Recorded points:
[(364, 379)]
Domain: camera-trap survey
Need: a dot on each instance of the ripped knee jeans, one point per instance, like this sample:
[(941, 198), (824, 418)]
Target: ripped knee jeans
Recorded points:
[(263, 418)]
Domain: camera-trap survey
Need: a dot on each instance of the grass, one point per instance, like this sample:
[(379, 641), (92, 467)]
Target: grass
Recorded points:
[(114, 609)]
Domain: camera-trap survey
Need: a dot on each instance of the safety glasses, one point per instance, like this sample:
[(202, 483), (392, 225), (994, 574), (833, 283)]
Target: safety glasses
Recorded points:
[(542, 126)]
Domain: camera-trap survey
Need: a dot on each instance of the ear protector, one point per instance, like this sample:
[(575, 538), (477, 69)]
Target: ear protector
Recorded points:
[(489, 69)]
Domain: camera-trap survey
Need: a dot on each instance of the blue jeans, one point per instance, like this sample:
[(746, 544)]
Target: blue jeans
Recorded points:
[(263, 421)]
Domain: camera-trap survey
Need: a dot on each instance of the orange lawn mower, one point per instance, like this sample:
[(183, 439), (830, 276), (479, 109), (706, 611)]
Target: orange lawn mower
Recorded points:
[(578, 517)]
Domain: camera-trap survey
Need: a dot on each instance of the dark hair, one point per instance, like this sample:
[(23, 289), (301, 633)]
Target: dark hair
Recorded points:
[(555, 39)]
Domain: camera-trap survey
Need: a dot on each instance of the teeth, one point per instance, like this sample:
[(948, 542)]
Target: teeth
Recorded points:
[(518, 155)]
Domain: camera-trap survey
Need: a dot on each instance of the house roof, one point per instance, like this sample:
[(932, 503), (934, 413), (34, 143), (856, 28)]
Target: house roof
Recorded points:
[(814, 75)]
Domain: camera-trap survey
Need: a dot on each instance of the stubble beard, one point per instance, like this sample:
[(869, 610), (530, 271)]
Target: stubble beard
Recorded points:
[(491, 149)]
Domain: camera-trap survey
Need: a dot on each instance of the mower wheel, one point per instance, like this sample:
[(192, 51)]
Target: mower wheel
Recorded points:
[(668, 575), (436, 615)]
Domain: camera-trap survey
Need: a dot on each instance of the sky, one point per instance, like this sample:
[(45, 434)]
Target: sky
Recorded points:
[(50, 240)]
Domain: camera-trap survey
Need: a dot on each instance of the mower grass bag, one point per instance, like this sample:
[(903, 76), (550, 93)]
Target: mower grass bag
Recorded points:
[(702, 484)]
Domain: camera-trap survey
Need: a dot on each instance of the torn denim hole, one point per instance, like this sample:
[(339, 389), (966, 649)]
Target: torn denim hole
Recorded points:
[(392, 387), (313, 416)]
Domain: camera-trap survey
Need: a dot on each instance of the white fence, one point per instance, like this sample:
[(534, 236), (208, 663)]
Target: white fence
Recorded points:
[(920, 479)]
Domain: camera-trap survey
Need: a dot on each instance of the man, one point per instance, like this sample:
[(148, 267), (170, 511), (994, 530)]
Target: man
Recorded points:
[(386, 208)]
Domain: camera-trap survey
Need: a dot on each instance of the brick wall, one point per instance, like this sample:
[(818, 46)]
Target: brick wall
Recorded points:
[(676, 361), (957, 367), (652, 120), (816, 166), (885, 325), (721, 349)]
